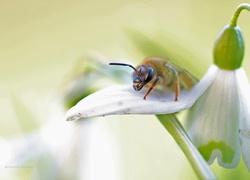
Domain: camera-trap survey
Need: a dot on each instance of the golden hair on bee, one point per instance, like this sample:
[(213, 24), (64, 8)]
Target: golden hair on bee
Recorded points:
[(159, 71)]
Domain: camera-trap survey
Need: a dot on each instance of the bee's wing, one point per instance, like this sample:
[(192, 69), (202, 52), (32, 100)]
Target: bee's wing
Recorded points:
[(187, 80)]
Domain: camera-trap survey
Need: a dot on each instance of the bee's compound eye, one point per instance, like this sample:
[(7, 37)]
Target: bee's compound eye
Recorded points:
[(150, 74)]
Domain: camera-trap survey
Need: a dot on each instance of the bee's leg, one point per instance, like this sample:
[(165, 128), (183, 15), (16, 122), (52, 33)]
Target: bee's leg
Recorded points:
[(151, 88), (176, 89)]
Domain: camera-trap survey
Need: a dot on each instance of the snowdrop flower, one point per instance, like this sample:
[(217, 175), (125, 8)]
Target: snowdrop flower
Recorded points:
[(219, 122)]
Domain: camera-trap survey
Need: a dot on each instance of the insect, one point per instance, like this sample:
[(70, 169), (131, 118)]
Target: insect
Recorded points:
[(159, 71)]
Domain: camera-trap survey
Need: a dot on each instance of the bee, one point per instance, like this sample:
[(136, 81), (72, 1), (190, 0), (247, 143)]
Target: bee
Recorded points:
[(159, 71)]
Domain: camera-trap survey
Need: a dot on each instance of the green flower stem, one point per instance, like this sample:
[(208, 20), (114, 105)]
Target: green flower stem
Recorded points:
[(237, 13), (174, 127)]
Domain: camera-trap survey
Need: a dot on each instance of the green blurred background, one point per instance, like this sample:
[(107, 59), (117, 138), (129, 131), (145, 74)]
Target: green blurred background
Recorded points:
[(41, 45)]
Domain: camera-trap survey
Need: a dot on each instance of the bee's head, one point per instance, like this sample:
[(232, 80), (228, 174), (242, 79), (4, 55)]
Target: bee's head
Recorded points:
[(141, 76)]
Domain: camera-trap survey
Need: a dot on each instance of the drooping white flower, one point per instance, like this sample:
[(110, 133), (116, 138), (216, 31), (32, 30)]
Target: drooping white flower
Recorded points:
[(219, 122)]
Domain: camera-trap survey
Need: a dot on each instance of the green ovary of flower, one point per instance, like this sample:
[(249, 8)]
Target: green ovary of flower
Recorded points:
[(229, 48), (228, 152)]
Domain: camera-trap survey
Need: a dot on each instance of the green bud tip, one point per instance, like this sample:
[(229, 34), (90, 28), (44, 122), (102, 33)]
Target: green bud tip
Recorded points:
[(229, 48)]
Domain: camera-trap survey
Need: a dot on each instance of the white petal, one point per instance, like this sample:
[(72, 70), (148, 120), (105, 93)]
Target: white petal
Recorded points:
[(212, 122), (244, 124), (122, 99)]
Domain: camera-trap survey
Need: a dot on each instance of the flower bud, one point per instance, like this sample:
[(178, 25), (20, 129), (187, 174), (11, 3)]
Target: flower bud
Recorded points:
[(229, 48)]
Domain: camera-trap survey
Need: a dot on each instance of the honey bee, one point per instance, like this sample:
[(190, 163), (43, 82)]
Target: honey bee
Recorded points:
[(159, 71)]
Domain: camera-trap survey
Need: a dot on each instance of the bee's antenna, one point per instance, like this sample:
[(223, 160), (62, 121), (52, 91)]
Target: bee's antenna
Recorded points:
[(123, 64)]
